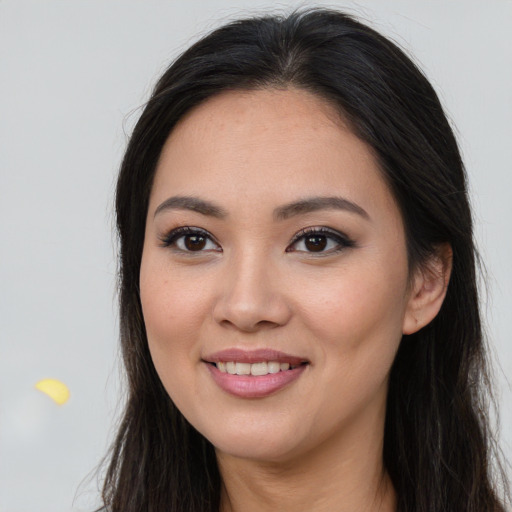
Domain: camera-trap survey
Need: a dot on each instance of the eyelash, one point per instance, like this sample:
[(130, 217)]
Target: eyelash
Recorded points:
[(341, 240), (171, 239)]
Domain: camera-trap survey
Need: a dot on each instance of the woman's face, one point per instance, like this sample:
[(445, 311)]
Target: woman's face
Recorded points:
[(273, 247)]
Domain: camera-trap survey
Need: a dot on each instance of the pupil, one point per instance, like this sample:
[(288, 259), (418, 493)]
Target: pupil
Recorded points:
[(316, 243), (195, 242)]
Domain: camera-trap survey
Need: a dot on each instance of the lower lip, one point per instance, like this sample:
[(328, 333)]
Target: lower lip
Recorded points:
[(248, 386)]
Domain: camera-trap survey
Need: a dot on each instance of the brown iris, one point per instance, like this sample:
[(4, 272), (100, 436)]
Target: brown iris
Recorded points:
[(315, 243), (195, 242)]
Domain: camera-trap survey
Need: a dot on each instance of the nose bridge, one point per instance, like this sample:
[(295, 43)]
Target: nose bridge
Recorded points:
[(250, 297)]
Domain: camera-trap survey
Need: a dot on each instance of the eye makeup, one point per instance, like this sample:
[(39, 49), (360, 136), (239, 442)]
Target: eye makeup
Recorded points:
[(317, 241), (321, 241), (190, 239)]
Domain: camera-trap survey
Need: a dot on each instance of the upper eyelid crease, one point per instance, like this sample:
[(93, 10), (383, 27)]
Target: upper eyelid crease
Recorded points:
[(172, 235), (322, 231), (342, 239)]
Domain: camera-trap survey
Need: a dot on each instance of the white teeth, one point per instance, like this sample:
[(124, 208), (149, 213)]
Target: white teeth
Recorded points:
[(262, 368), (243, 368), (273, 367), (259, 369)]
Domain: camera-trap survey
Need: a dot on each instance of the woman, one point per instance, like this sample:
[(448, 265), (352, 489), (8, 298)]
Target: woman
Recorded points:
[(299, 312)]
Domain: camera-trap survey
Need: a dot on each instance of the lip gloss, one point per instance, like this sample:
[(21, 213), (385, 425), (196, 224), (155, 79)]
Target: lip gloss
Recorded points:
[(254, 386), (249, 386), (253, 356)]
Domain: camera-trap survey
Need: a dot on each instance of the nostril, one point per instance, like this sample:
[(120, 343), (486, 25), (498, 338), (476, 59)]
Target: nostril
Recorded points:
[(245, 324), (251, 303)]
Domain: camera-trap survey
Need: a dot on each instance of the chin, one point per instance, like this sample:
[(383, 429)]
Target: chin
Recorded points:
[(258, 443), (255, 451)]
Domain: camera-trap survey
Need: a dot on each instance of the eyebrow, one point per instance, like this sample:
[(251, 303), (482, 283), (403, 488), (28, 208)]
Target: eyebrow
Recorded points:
[(313, 204), (192, 203), (301, 207)]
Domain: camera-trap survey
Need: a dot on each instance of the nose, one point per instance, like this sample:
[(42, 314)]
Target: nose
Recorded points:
[(251, 297)]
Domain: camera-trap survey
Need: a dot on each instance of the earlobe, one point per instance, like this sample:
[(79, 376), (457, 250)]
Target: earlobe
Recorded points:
[(428, 290)]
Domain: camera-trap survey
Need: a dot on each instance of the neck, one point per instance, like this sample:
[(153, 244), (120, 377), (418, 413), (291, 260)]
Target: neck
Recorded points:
[(345, 474)]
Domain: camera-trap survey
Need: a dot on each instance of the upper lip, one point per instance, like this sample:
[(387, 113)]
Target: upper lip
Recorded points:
[(253, 356)]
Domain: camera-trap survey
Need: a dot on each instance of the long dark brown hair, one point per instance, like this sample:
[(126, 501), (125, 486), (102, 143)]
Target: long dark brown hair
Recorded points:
[(438, 447)]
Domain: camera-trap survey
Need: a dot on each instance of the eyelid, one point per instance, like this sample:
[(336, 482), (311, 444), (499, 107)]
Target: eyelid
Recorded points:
[(340, 238), (170, 237)]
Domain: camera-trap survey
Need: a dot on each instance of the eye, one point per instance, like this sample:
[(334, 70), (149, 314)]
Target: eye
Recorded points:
[(319, 240), (190, 239)]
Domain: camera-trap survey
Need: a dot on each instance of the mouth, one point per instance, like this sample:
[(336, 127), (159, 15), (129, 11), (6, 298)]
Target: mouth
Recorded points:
[(253, 362), (256, 373), (255, 369)]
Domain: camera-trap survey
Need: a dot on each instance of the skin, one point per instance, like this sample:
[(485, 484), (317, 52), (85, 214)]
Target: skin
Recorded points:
[(253, 285)]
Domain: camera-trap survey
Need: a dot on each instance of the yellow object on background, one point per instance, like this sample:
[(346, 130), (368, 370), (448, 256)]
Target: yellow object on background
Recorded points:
[(55, 389)]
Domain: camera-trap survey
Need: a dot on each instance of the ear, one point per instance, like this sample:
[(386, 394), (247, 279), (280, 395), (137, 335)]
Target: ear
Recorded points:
[(428, 290)]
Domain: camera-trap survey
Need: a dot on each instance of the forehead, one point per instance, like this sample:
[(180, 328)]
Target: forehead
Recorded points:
[(240, 106), (283, 143), (256, 114)]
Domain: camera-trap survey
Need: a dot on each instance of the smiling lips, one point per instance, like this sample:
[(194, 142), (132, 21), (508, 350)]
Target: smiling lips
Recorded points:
[(254, 374)]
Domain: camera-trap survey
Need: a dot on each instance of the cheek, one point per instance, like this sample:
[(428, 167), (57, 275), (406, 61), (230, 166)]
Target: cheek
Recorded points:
[(357, 319), (355, 303), (358, 329), (169, 308), (173, 314), (173, 301)]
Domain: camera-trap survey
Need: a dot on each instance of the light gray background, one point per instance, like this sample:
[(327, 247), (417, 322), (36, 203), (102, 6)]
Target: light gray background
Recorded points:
[(72, 74)]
